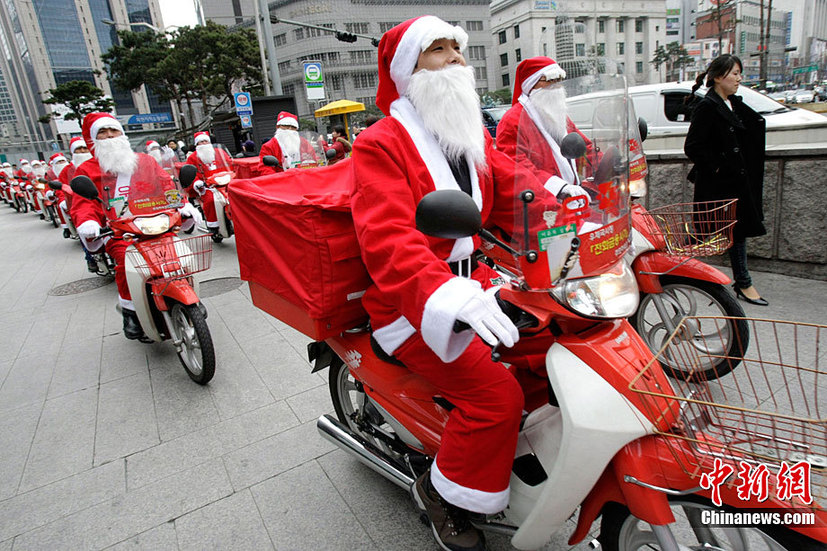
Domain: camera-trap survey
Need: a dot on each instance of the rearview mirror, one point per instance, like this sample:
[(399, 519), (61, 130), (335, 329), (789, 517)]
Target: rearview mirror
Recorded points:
[(573, 146), (643, 128), (330, 153), (448, 213), (187, 175), (83, 186), (271, 161), (55, 185)]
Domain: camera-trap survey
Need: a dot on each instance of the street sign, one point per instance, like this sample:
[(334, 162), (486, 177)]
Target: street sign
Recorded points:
[(149, 118), (314, 80), (246, 121), (243, 103), (805, 69)]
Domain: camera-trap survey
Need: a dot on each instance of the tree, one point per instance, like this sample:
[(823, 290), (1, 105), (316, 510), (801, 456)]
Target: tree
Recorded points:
[(723, 16), (673, 56), (79, 97)]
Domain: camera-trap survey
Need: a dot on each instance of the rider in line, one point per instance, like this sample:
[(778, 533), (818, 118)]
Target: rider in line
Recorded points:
[(287, 145), (112, 166), (208, 160)]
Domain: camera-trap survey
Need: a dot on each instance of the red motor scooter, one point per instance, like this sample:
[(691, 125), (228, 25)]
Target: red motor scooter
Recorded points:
[(605, 430), (160, 266)]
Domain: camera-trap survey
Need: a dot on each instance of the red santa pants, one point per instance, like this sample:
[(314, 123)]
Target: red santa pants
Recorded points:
[(473, 467), (117, 250), (208, 206)]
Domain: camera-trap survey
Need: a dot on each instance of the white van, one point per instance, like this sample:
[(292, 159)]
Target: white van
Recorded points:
[(663, 107)]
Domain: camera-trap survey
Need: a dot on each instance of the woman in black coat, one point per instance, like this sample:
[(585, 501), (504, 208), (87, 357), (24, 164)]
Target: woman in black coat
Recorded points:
[(726, 142)]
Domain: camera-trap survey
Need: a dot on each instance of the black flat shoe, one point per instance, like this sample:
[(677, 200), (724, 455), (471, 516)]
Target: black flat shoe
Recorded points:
[(757, 301)]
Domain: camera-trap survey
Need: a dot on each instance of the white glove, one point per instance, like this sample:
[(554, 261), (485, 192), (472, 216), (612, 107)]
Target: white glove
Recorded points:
[(570, 190), (29, 187), (50, 195), (63, 206), (488, 321), (89, 230), (189, 211), (200, 187)]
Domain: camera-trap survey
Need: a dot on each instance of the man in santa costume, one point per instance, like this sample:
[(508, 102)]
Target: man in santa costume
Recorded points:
[(153, 149), (531, 131), (57, 164), (208, 160), (433, 138), (286, 145), (112, 167), (25, 171)]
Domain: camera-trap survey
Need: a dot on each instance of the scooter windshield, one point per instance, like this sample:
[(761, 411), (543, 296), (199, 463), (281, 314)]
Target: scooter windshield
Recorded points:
[(152, 188), (571, 215), (220, 166)]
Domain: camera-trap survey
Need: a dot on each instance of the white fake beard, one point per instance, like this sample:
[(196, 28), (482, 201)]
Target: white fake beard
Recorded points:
[(115, 155), (27, 169), (58, 168), (39, 172), (205, 152), (79, 158), (450, 109), (155, 154), (9, 172), (551, 105), (290, 143)]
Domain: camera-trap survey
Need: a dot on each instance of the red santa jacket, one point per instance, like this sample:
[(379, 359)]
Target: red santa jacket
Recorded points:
[(272, 147), (83, 210), (23, 177), (413, 287), (223, 162), (519, 138), (65, 178)]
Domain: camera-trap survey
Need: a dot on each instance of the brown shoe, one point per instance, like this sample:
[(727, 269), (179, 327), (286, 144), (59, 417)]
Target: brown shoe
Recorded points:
[(450, 524)]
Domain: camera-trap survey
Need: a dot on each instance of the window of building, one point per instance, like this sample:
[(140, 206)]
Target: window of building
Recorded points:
[(601, 26), (638, 47), (638, 67), (280, 39), (312, 33), (288, 89), (516, 32), (504, 60), (284, 66), (620, 25), (336, 81), (621, 48), (580, 50), (480, 73), (518, 55), (368, 100), (364, 80), (601, 49), (473, 25), (299, 33), (502, 37), (506, 81), (638, 25), (361, 56), (476, 52), (361, 28), (385, 26)]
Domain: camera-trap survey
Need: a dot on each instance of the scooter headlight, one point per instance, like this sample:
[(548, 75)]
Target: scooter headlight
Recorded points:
[(153, 225), (637, 188), (609, 295)]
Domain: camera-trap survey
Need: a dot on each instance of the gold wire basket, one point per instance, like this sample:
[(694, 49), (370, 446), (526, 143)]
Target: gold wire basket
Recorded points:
[(693, 229), (772, 408), (164, 260)]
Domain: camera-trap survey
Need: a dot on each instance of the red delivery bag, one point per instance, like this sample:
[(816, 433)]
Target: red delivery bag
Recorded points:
[(298, 249)]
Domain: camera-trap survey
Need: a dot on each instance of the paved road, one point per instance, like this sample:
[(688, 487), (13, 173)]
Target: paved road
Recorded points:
[(106, 443)]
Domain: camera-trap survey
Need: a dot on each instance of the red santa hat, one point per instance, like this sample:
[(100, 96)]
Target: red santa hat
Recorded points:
[(202, 137), (151, 143), (94, 123), (56, 158), (399, 51), (75, 143), (529, 73), (287, 119)]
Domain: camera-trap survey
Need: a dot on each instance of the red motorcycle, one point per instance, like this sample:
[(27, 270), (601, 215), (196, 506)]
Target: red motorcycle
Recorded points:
[(160, 266), (605, 429)]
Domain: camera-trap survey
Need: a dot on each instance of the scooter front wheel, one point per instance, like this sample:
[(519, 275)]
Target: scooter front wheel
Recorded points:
[(620, 531), (721, 341), (196, 353), (52, 216)]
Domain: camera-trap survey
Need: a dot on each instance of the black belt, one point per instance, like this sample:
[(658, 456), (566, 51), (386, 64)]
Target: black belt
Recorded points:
[(464, 267)]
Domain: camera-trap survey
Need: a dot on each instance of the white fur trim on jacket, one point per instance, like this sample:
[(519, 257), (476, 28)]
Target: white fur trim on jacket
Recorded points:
[(391, 336), (476, 501), (104, 122), (436, 163), (554, 185), (439, 316), (416, 40), (552, 72)]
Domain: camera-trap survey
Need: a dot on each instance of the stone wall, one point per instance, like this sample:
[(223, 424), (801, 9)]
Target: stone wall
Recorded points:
[(795, 208)]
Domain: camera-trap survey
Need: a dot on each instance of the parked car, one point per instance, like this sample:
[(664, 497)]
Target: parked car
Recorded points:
[(804, 96), (491, 117), (668, 115)]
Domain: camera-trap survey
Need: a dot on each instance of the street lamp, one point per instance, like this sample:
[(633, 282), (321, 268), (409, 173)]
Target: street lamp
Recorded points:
[(136, 24)]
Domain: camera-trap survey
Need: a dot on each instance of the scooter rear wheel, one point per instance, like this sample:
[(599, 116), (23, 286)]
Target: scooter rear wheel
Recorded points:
[(620, 531), (50, 212), (723, 340), (197, 354)]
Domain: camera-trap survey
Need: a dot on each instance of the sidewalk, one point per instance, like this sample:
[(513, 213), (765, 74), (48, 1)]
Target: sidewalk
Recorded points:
[(106, 443)]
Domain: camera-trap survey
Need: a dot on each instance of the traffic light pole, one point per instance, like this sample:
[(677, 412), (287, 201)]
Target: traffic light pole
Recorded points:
[(343, 36), (267, 28)]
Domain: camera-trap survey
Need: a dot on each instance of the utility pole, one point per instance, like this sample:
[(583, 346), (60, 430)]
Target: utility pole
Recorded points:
[(267, 27), (261, 48), (763, 45)]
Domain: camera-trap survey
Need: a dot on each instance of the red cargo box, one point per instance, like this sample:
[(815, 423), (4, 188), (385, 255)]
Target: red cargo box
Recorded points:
[(246, 167), (297, 247)]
